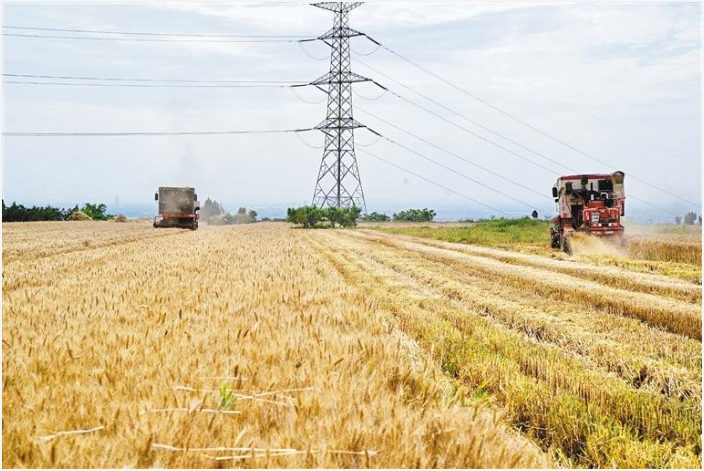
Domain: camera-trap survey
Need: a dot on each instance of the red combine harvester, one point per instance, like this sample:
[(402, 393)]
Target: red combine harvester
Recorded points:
[(178, 207), (593, 204)]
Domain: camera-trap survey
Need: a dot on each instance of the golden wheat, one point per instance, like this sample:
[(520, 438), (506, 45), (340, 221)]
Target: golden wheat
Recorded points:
[(594, 388), (230, 346), (264, 346), (670, 248)]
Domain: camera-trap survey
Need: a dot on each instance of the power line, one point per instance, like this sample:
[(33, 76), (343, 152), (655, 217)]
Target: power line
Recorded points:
[(479, 136), (373, 143), (496, 133), (466, 177), (134, 33), (372, 52), (433, 182), (295, 93), (301, 45), (383, 92), (481, 167), (307, 144), (491, 142), (88, 38), (464, 159), (140, 134), (133, 85), (122, 79), (524, 123)]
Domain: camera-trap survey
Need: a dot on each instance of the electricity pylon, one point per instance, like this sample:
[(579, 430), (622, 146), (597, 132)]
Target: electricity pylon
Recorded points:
[(339, 183)]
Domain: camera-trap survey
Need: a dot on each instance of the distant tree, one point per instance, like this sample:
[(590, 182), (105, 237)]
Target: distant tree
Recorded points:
[(690, 217), (534, 214), (211, 209), (334, 215), (19, 213), (242, 211), (310, 216), (306, 216), (415, 215), (97, 211), (700, 220), (350, 216), (375, 217), (252, 215)]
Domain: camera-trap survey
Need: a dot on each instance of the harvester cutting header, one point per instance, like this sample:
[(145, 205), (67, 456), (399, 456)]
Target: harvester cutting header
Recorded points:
[(591, 203)]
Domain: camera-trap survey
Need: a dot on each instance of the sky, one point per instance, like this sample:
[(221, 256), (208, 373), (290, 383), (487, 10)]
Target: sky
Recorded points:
[(620, 83)]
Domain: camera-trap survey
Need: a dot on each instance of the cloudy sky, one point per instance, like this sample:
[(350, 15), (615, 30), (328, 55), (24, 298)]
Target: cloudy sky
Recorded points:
[(621, 83)]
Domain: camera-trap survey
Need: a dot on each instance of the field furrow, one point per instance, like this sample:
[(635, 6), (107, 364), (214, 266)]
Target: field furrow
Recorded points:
[(488, 355), (610, 276), (675, 316), (621, 346)]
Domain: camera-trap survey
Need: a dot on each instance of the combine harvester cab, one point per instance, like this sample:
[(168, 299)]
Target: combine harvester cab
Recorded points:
[(593, 204), (178, 207)]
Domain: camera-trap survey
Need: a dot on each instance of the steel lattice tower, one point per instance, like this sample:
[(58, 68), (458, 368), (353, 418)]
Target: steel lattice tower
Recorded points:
[(339, 183)]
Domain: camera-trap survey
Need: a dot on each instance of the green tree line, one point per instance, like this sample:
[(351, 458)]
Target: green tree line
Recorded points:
[(20, 213), (310, 216)]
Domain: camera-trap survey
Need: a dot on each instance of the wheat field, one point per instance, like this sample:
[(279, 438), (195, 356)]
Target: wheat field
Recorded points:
[(267, 346)]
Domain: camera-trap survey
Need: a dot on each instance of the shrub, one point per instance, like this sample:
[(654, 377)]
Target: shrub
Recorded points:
[(120, 218)]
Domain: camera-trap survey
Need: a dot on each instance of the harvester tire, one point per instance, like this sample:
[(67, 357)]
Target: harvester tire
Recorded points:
[(565, 244)]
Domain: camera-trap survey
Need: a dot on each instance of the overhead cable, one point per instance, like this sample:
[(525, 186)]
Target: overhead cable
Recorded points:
[(464, 159), (528, 125), (95, 38), (123, 79), (433, 182), (134, 33), (134, 85), (446, 108), (140, 134)]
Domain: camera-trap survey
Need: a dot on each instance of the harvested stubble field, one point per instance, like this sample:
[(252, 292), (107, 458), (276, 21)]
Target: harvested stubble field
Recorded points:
[(262, 345)]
